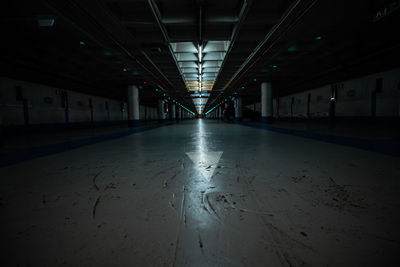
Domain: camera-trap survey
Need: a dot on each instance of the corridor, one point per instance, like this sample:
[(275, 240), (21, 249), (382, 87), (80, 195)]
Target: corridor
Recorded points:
[(202, 193)]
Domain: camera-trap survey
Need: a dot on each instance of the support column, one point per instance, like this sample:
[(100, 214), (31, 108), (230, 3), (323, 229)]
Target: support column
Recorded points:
[(133, 106), (173, 111), (225, 112), (161, 112), (238, 109), (266, 103)]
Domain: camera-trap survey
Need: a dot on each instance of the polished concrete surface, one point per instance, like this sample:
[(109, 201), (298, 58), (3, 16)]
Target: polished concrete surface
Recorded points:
[(30, 139), (202, 193), (367, 130)]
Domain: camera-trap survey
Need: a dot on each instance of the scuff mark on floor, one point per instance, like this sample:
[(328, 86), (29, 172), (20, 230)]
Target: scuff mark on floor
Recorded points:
[(212, 207), (94, 181), (201, 244), (95, 206), (179, 227)]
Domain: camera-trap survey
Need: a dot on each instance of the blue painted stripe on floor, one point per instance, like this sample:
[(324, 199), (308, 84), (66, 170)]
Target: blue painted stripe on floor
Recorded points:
[(378, 146), (15, 157)]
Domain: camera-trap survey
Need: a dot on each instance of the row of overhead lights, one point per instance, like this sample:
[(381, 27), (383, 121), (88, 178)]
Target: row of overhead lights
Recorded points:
[(174, 101), (200, 56), (291, 49), (48, 21), (108, 53), (135, 73)]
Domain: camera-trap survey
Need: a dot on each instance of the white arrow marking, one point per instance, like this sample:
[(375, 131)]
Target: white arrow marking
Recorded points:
[(205, 161)]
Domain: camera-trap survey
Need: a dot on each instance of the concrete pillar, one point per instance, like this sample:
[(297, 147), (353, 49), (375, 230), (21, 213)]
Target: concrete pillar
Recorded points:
[(266, 103), (173, 111), (225, 112), (238, 109), (150, 113), (161, 111), (133, 106)]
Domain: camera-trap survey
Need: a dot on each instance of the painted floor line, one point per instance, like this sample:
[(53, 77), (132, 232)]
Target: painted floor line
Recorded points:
[(378, 146), (7, 159)]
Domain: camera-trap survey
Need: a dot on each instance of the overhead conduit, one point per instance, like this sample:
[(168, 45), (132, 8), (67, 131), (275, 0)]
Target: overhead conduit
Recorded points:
[(117, 43), (243, 69)]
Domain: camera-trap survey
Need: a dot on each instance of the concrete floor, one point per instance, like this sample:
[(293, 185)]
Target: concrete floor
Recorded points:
[(19, 141), (202, 194), (389, 131)]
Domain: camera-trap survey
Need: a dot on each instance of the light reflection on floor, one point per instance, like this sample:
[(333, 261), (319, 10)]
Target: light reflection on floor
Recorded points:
[(145, 200)]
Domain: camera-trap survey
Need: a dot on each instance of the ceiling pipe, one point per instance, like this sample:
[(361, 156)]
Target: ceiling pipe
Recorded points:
[(265, 40), (178, 20), (117, 43), (235, 78), (155, 66), (157, 15), (242, 15)]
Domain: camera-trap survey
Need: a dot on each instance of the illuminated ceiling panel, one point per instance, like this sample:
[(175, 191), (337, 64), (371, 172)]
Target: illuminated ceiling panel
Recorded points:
[(200, 103), (200, 66)]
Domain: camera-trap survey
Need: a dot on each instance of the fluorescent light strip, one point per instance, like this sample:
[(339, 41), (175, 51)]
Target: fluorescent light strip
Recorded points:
[(207, 58), (200, 55)]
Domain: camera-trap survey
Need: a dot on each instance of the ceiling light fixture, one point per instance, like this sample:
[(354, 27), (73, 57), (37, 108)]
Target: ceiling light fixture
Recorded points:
[(199, 64), (45, 21), (200, 53)]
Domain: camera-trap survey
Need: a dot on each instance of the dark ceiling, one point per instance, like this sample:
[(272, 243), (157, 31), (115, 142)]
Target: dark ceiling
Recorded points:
[(102, 46)]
